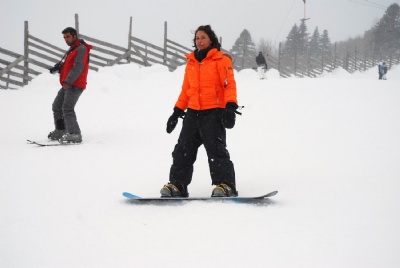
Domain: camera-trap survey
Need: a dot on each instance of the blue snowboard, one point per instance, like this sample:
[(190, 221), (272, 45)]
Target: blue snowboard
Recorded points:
[(254, 199)]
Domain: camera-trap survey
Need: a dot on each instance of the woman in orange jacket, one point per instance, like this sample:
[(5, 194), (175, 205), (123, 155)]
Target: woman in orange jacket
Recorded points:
[(209, 97)]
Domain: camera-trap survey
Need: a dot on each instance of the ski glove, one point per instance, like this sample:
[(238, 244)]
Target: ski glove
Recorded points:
[(230, 115), (173, 119)]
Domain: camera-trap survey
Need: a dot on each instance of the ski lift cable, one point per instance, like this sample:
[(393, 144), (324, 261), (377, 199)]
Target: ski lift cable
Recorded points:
[(377, 4), (368, 5), (284, 22), (364, 4)]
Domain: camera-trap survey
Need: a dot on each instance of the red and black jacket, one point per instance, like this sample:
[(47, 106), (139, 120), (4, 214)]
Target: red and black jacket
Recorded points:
[(75, 68)]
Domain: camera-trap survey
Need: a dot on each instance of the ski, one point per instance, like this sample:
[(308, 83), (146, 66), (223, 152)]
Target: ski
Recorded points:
[(50, 144), (252, 199)]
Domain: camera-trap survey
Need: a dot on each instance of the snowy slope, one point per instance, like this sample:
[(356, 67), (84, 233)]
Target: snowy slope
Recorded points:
[(329, 145)]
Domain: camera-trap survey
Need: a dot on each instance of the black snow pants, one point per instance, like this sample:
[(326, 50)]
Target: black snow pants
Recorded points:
[(202, 127)]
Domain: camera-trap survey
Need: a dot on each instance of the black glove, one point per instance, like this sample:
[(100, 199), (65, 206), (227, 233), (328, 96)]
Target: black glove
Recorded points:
[(230, 115), (173, 119)]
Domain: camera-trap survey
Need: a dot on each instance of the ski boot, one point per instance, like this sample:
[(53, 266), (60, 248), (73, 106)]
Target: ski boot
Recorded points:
[(224, 190), (174, 190), (71, 138), (56, 134)]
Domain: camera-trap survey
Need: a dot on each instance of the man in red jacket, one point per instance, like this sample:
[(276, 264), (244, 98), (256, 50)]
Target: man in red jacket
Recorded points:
[(73, 79)]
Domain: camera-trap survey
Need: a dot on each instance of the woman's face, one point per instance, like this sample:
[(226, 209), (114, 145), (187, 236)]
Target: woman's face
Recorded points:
[(202, 40)]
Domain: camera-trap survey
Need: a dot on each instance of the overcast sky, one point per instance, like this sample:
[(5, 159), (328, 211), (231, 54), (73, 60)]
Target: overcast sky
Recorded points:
[(108, 20)]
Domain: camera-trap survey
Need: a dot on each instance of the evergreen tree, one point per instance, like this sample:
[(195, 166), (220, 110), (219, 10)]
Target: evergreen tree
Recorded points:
[(325, 43), (244, 51), (291, 45), (386, 33), (315, 44), (303, 38), (297, 41)]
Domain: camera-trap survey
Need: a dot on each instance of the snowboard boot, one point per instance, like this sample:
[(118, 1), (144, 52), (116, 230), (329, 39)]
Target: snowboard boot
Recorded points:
[(56, 134), (224, 190), (174, 190), (71, 138)]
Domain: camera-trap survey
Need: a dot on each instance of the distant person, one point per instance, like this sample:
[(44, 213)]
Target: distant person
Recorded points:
[(73, 75), (209, 97), (382, 70), (261, 65)]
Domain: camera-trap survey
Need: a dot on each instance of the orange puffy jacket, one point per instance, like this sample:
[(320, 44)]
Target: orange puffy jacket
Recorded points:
[(207, 84)]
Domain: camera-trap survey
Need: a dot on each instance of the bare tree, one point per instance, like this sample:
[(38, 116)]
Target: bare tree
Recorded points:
[(266, 47)]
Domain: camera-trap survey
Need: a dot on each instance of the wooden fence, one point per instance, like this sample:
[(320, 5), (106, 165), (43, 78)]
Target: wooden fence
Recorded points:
[(17, 70), (307, 66)]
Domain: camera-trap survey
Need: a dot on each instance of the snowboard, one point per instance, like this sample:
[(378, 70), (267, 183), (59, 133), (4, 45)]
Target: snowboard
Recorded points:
[(251, 199), (55, 143)]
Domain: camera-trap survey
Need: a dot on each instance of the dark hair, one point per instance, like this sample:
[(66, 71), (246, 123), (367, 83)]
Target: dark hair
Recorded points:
[(70, 30), (213, 37)]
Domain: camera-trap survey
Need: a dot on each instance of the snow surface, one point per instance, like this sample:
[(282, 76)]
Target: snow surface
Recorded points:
[(330, 146)]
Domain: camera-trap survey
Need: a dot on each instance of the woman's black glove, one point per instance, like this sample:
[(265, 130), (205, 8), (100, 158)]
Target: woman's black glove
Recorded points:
[(173, 119), (230, 114)]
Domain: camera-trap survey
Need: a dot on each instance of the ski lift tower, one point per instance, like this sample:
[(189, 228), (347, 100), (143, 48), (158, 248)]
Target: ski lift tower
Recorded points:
[(304, 19)]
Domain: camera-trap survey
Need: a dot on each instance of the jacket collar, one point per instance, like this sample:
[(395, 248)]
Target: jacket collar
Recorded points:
[(79, 42), (213, 53), (76, 44)]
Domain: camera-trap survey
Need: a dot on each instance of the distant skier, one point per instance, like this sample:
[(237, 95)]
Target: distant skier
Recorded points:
[(382, 70), (73, 76), (261, 65)]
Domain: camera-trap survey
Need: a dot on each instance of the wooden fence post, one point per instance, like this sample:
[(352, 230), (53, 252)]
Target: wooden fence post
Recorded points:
[(308, 62), (322, 62), (373, 60), (334, 58), (355, 59), (129, 40), (77, 23), (26, 53), (365, 58), (280, 59), (165, 44), (8, 81), (346, 58)]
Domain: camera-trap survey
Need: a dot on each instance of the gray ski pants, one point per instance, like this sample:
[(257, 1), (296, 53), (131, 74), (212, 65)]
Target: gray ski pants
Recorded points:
[(64, 108)]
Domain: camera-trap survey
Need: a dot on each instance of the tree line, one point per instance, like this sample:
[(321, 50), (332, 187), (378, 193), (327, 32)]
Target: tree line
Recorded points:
[(381, 40)]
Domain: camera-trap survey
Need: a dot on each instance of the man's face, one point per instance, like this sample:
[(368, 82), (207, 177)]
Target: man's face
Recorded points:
[(70, 39)]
